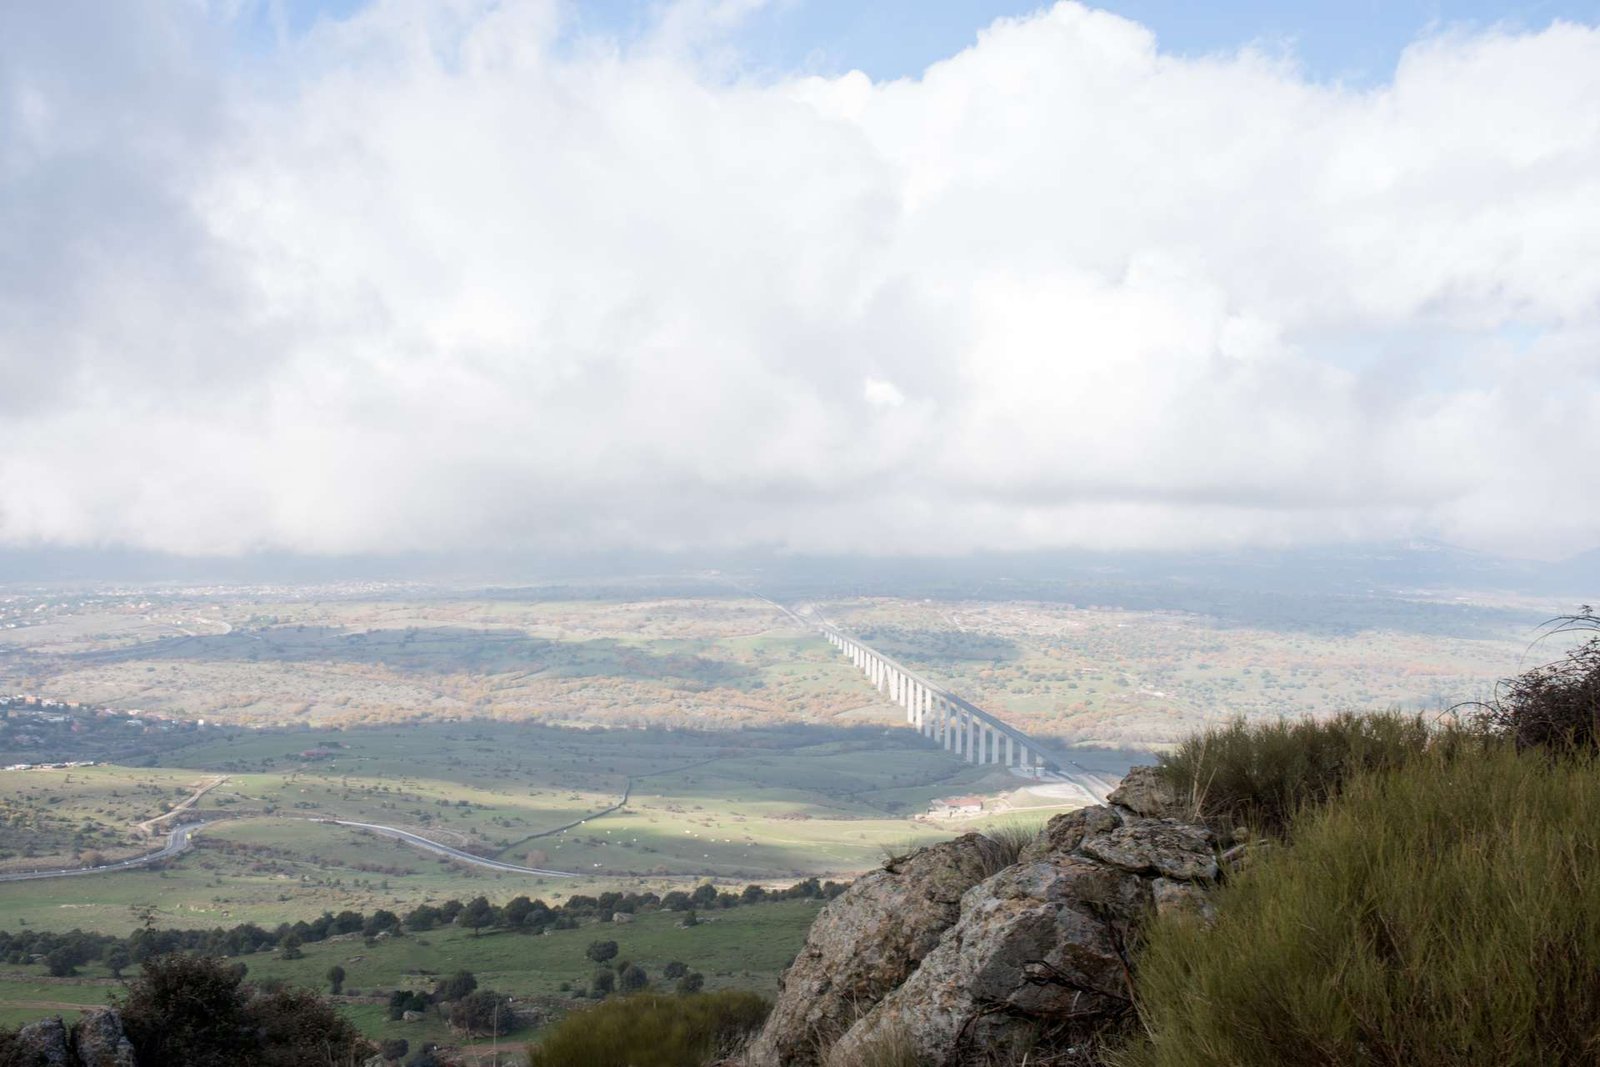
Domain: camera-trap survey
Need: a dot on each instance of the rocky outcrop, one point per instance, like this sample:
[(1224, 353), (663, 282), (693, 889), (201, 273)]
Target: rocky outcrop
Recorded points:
[(1145, 791), (864, 944), (44, 1043), (98, 1040), (1040, 949)]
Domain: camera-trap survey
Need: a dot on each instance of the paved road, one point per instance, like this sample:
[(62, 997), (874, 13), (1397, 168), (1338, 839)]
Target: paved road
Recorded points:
[(445, 850), (177, 841)]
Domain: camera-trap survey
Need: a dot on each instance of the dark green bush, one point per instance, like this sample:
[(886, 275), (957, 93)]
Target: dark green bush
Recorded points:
[(1557, 706), (1260, 774), (652, 1031), (483, 1011), (1443, 913), (196, 1011)]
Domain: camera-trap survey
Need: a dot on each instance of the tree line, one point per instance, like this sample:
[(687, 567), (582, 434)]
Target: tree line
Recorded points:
[(63, 953)]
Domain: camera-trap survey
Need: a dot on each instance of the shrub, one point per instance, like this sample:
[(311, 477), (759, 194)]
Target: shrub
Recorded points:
[(189, 1010), (652, 1031), (1005, 842), (294, 1028), (1557, 706), (481, 1012), (1261, 774), (455, 987), (1447, 912), (196, 1011), (632, 978)]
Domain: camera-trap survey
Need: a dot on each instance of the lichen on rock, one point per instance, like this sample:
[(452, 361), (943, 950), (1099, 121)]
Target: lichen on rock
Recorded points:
[(1040, 949)]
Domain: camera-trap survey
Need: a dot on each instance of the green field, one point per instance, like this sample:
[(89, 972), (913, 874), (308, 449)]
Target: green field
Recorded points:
[(752, 806), (744, 948)]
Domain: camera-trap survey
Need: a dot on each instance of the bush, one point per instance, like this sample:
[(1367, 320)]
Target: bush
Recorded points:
[(1557, 706), (481, 1012), (189, 1010), (652, 1031), (1005, 841), (1447, 912), (294, 1028), (1261, 774), (196, 1011), (455, 987)]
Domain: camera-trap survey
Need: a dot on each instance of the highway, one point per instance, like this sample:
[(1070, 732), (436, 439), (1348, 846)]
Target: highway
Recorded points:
[(177, 842), (445, 850)]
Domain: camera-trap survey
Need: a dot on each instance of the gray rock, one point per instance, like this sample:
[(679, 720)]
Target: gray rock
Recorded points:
[(1183, 898), (1144, 791), (98, 1040), (1043, 941), (1063, 834), (865, 943), (44, 1042), (1156, 847)]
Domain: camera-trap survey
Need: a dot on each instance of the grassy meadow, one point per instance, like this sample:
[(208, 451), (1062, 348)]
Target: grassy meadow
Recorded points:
[(736, 948)]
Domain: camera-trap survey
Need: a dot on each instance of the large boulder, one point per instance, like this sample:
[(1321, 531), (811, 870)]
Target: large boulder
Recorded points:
[(1145, 791), (1064, 833), (1156, 847), (98, 1040), (44, 1043), (865, 943), (1042, 947)]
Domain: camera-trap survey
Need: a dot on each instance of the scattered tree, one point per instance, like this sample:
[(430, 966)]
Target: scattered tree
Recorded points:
[(455, 987)]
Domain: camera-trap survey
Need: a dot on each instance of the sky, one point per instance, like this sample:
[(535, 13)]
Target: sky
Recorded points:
[(904, 278)]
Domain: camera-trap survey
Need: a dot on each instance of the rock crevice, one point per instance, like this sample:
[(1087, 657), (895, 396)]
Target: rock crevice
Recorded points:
[(960, 962)]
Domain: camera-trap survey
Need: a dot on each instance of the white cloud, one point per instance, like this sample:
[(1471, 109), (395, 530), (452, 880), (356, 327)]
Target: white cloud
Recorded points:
[(882, 394), (441, 276)]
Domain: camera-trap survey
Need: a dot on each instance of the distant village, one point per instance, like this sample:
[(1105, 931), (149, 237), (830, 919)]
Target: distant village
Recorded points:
[(70, 729)]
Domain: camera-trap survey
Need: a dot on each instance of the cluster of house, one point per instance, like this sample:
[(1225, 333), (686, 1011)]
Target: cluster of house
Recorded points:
[(50, 766), (955, 807)]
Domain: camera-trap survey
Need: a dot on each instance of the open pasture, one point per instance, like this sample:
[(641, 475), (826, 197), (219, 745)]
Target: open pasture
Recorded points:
[(751, 806), (743, 948)]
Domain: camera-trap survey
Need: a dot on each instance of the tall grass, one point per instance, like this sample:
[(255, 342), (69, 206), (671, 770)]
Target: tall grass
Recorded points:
[(1260, 775), (892, 1047), (1443, 913), (650, 1030), (1005, 841)]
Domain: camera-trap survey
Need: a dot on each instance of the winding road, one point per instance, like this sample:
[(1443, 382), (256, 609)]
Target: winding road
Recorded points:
[(177, 841), (423, 843)]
